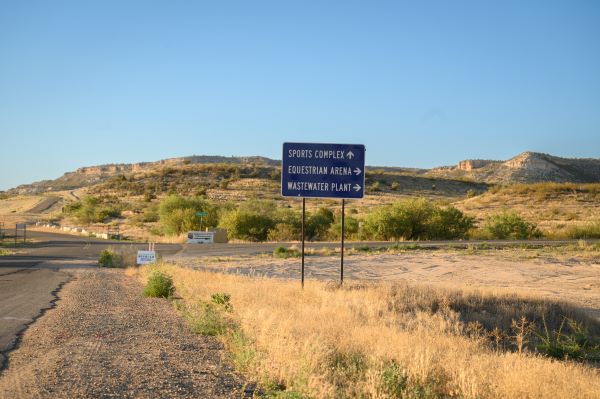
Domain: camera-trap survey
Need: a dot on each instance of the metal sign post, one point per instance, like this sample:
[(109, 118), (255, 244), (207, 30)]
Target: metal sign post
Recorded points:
[(23, 227), (303, 218), (315, 170), (201, 214)]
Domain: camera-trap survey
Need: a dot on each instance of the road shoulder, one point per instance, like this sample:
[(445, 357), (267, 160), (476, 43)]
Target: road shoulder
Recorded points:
[(104, 339)]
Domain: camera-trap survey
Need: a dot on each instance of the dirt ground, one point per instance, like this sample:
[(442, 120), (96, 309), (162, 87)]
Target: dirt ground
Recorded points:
[(105, 340), (575, 280)]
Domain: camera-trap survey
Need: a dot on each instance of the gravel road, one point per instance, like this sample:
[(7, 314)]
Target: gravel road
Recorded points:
[(105, 340)]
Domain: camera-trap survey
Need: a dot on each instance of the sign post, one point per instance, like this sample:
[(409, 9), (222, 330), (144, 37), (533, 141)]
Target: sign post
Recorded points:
[(201, 214), (23, 227), (316, 170)]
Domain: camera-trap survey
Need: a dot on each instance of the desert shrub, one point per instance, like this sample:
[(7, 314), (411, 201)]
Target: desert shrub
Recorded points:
[(108, 258), (284, 232), (159, 285), (350, 228), (178, 214), (449, 223), (509, 225), (210, 320), (247, 225), (288, 225), (590, 230), (417, 219), (149, 195), (120, 256), (223, 299), (284, 253), (471, 193), (94, 209), (375, 186), (318, 224), (576, 344)]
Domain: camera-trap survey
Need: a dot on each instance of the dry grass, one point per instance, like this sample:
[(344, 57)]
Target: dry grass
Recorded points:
[(376, 341)]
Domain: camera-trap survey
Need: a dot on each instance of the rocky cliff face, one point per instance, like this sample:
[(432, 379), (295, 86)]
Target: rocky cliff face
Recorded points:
[(470, 164), (528, 167)]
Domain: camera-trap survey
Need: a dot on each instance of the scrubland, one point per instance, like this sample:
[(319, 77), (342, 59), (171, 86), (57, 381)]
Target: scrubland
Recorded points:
[(384, 340)]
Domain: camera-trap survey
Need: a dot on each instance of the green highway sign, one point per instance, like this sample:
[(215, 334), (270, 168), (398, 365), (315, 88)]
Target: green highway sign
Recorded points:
[(201, 213)]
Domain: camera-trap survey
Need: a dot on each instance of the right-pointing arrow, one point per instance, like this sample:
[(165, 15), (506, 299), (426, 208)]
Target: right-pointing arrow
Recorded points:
[(357, 171), (357, 187)]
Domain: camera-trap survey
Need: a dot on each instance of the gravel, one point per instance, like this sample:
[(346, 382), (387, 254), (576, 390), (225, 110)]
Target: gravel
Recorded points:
[(105, 340)]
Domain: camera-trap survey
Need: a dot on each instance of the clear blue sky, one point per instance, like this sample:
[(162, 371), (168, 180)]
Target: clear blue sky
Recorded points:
[(420, 83)]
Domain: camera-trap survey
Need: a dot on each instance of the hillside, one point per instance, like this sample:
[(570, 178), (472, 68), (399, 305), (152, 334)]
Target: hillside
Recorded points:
[(92, 175), (528, 167)]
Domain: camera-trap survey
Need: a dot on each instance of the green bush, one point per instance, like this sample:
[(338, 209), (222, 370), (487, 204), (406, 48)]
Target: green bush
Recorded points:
[(210, 321), (94, 210), (417, 219), (111, 258), (318, 224), (350, 228), (223, 299), (247, 225), (283, 252), (160, 285), (509, 225), (178, 214), (576, 344)]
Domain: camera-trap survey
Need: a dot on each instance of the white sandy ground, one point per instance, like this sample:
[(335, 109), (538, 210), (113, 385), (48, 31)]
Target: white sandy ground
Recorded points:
[(573, 280)]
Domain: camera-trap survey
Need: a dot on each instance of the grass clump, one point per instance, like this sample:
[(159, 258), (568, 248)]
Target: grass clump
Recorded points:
[(575, 344), (120, 257), (284, 253), (109, 258), (209, 320), (160, 285), (591, 230), (5, 252)]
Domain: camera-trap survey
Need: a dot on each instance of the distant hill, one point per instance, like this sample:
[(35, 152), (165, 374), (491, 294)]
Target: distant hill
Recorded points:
[(528, 167), (92, 175)]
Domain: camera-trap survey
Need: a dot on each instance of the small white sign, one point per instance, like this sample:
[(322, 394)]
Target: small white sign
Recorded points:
[(201, 237), (146, 257)]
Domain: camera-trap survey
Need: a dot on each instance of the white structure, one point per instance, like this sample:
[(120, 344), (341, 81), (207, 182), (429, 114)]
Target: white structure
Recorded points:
[(201, 237)]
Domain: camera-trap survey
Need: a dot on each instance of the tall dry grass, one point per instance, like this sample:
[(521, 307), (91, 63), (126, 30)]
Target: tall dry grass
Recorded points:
[(376, 341)]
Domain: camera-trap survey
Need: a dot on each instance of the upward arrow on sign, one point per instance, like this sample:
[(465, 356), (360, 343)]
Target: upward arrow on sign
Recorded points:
[(350, 155)]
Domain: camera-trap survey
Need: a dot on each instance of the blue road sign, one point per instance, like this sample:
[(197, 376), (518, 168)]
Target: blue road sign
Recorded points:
[(323, 170)]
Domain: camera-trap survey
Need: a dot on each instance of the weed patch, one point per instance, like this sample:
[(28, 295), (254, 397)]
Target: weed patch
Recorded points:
[(160, 285)]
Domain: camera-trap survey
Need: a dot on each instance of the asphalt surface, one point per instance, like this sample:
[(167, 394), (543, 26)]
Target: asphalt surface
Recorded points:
[(24, 294)]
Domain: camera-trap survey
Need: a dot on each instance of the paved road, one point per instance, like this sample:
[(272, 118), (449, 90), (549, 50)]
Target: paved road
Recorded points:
[(44, 205), (24, 293), (58, 247)]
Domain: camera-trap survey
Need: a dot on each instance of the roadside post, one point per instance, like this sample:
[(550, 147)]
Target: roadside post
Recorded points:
[(319, 170), (201, 214), (21, 226)]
